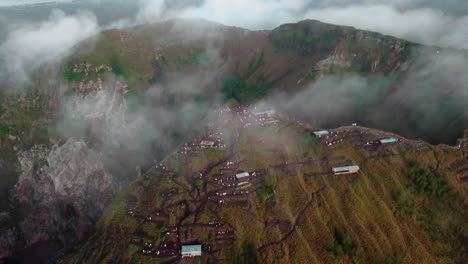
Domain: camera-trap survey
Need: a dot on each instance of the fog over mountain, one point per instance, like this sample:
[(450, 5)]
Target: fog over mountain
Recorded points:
[(94, 93), (442, 23)]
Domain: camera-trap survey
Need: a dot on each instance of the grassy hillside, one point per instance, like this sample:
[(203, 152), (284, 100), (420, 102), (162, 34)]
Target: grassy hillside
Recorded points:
[(407, 204), (248, 65), (284, 55)]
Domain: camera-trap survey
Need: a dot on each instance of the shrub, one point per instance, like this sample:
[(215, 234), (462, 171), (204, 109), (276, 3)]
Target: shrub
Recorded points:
[(340, 243), (4, 129), (429, 182), (403, 205), (266, 192)]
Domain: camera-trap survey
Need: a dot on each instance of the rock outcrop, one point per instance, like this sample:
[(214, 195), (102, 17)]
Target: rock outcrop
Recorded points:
[(62, 190)]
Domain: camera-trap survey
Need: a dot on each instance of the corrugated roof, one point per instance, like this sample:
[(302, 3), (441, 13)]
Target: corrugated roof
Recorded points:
[(388, 140), (346, 168), (267, 112), (321, 133), (242, 175), (191, 249)]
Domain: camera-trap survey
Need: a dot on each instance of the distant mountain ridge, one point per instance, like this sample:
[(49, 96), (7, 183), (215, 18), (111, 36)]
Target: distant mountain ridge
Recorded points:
[(132, 96)]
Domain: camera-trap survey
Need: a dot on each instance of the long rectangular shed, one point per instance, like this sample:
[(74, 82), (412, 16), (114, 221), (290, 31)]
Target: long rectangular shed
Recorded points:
[(191, 250), (388, 140), (242, 175), (345, 169), (321, 133)]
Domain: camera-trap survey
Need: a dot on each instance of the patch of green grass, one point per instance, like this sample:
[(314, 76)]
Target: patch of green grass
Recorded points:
[(175, 164), (4, 129), (117, 66), (213, 151), (255, 63), (199, 183), (132, 250), (2, 110), (429, 182), (340, 243), (403, 205), (207, 214), (266, 192), (195, 57), (169, 183), (237, 88), (71, 75), (249, 254)]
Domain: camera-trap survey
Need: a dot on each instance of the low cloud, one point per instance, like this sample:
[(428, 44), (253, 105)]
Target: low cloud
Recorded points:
[(428, 102), (29, 47), (426, 23)]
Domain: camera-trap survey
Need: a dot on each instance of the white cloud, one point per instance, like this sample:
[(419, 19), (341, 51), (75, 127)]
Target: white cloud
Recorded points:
[(25, 2), (417, 22), (30, 46), (428, 26)]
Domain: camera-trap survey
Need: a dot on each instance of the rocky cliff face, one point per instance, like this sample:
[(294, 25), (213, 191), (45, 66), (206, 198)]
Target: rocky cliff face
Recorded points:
[(66, 187), (62, 188)]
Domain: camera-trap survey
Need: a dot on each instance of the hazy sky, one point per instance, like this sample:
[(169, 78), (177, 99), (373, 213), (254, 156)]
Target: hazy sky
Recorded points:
[(25, 34), (22, 2)]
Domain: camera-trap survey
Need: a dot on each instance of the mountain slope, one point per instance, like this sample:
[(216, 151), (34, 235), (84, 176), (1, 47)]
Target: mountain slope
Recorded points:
[(293, 210), (128, 97), (293, 58)]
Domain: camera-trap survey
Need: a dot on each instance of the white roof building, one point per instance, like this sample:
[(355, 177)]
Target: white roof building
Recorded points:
[(269, 113), (242, 175), (321, 133), (346, 169), (191, 251)]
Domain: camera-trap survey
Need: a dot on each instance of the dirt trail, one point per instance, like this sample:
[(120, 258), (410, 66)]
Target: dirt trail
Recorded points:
[(296, 223)]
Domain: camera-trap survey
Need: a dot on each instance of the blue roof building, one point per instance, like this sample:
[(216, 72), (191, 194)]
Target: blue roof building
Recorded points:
[(346, 169), (388, 140)]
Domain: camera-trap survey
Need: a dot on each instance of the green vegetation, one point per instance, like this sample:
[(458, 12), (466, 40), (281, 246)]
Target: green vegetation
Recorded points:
[(132, 250), (254, 65), (2, 110), (4, 129), (244, 90), (266, 192), (199, 183), (340, 243), (308, 37), (71, 75), (207, 214), (430, 182), (117, 66), (310, 140), (169, 183), (249, 254), (195, 57), (403, 205), (237, 88), (175, 164)]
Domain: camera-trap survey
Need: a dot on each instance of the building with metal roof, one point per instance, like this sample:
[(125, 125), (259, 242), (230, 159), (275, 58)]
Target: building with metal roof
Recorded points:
[(346, 169), (321, 133), (269, 113), (189, 251), (388, 140), (242, 175), (207, 144)]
